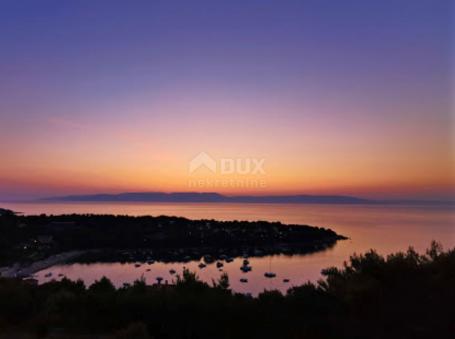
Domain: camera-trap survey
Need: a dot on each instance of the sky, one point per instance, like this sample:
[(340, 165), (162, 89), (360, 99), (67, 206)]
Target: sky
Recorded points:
[(330, 97)]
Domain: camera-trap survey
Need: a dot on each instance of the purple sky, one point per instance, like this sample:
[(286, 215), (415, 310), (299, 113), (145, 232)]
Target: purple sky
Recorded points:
[(349, 97)]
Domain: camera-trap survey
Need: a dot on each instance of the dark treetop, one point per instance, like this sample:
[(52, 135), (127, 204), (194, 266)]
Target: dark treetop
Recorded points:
[(405, 296)]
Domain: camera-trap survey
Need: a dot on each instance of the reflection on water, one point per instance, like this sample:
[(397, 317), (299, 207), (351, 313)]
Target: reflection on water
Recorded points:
[(385, 228), (298, 269)]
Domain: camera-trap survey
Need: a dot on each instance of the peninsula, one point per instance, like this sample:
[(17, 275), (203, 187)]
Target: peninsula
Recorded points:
[(126, 238)]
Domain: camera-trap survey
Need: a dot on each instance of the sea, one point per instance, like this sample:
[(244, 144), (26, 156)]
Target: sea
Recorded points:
[(384, 228)]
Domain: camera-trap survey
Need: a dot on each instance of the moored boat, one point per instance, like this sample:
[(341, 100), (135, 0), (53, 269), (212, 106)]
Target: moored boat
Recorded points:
[(269, 275)]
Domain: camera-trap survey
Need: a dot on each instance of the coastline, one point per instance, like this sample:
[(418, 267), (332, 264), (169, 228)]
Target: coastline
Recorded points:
[(36, 243), (23, 271)]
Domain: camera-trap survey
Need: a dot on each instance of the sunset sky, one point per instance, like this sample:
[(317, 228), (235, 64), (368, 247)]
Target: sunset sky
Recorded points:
[(337, 97)]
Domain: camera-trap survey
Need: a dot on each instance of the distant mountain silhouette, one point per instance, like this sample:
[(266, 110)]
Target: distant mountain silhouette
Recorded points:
[(211, 197)]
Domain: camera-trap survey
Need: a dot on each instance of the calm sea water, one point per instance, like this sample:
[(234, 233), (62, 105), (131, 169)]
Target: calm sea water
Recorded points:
[(385, 228)]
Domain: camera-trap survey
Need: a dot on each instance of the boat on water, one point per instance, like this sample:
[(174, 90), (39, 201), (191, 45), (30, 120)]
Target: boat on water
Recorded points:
[(243, 280), (285, 280), (269, 275), (246, 268)]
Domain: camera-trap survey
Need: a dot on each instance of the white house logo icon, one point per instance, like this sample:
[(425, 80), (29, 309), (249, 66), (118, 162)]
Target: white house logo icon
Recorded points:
[(203, 160)]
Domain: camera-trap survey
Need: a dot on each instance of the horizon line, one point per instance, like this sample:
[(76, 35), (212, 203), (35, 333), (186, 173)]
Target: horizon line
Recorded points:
[(215, 197)]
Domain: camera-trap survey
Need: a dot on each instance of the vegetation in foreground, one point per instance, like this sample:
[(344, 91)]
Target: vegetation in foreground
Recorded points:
[(405, 295)]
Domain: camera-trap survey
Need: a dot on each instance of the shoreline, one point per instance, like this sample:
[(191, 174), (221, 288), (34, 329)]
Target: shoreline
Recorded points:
[(92, 256), (23, 271), (165, 237)]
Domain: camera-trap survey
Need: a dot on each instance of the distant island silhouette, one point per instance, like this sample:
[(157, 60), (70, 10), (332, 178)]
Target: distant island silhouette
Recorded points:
[(210, 197)]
